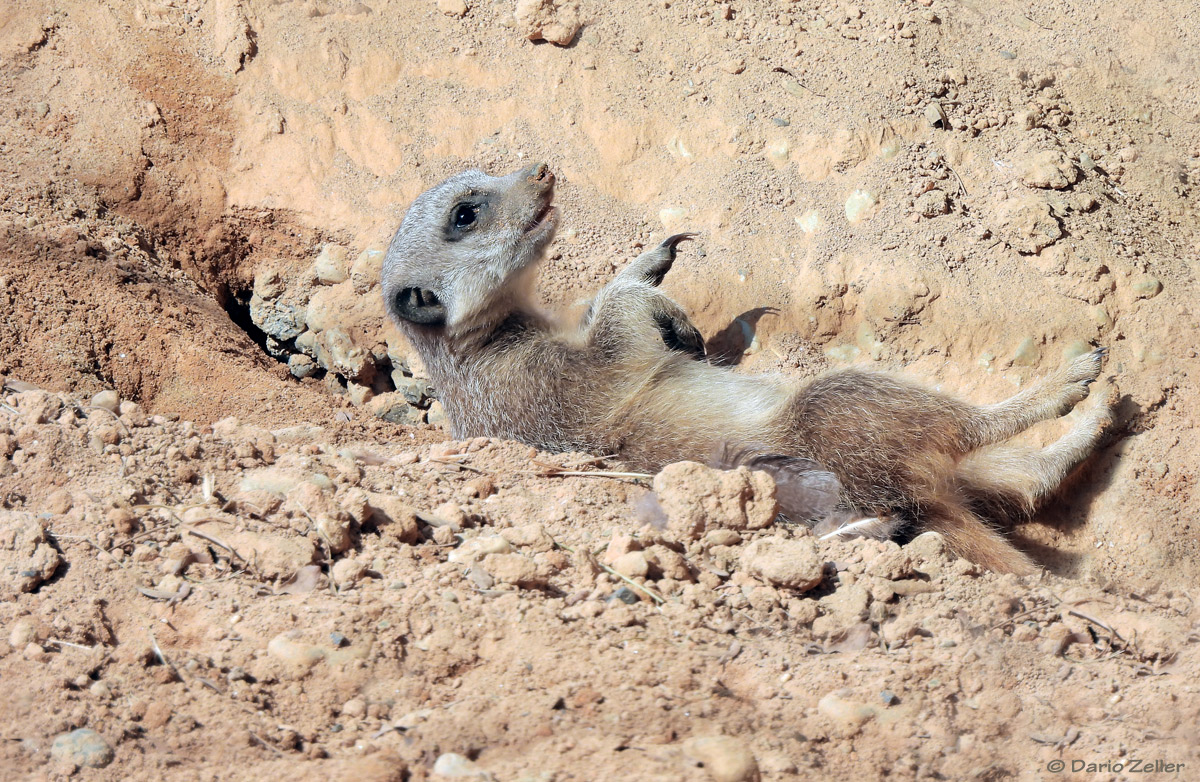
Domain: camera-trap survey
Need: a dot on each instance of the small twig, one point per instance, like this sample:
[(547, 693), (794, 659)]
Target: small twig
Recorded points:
[(561, 473), (657, 598), (1099, 624), (263, 743), (457, 465), (68, 643), (960, 182), (162, 658), (96, 546), (217, 542), (9, 409), (114, 415)]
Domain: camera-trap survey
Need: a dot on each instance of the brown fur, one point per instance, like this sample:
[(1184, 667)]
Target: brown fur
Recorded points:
[(625, 379)]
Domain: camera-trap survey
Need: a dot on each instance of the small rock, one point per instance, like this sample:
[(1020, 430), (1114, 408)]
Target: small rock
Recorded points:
[(935, 115), (532, 537), (696, 498), (107, 400), (83, 747), (860, 206), (1027, 353), (355, 708), (302, 366), (632, 565), (516, 569), (278, 319), (626, 596), (335, 531), (293, 652), (725, 758), (393, 518), (267, 284), (39, 407), (27, 557), (451, 764), (666, 563), (1026, 224), (734, 66), (414, 389), (22, 632), (893, 563), (436, 416), (124, 521), (452, 7), (475, 549), (556, 21), (1048, 168), (348, 572), (394, 408), (366, 271), (848, 714), (1146, 287), (722, 537), (330, 267), (784, 562), (929, 551), (59, 502), (933, 203)]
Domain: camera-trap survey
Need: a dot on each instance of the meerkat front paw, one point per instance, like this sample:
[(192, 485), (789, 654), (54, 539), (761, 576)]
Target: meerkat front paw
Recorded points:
[(676, 328)]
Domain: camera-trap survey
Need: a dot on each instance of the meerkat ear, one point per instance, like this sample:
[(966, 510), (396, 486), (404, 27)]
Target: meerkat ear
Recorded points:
[(418, 305)]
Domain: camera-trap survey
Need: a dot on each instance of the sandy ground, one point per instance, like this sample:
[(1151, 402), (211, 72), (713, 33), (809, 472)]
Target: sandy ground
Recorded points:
[(224, 571)]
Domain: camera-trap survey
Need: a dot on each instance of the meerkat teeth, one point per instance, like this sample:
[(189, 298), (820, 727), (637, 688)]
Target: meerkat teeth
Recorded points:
[(630, 378)]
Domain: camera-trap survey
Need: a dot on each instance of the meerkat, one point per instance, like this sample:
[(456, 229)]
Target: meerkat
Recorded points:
[(628, 378)]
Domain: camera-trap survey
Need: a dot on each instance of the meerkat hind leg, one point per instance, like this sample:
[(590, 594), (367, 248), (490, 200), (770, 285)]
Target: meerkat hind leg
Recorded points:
[(1050, 397), (1012, 481)]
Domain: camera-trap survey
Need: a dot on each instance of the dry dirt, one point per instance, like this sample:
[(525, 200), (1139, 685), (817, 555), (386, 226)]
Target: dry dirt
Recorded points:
[(229, 573)]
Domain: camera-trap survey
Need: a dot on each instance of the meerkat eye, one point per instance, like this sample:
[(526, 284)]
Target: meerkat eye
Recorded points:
[(464, 215)]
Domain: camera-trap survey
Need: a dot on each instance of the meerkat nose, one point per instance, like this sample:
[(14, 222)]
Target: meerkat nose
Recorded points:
[(539, 173)]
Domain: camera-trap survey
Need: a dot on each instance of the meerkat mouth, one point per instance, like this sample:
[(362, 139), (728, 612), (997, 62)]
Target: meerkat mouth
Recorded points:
[(543, 219)]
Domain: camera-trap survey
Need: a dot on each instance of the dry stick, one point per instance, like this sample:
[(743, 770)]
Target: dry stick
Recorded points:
[(1099, 624), (68, 643), (162, 658), (960, 182), (263, 743), (554, 471), (646, 590), (114, 415), (9, 409), (449, 463)]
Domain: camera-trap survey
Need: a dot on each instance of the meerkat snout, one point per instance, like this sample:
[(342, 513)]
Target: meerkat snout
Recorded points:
[(468, 243)]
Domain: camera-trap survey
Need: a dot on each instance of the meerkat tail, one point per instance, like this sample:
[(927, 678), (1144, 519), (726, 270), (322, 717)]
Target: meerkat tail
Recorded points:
[(971, 538)]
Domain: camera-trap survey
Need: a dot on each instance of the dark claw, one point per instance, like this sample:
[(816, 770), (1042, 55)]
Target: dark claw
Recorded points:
[(671, 242)]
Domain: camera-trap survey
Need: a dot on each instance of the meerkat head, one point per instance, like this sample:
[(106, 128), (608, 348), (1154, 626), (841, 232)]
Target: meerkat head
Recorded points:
[(465, 246)]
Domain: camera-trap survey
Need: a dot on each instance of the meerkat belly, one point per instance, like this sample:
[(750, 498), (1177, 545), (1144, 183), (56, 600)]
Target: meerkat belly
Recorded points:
[(686, 410)]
